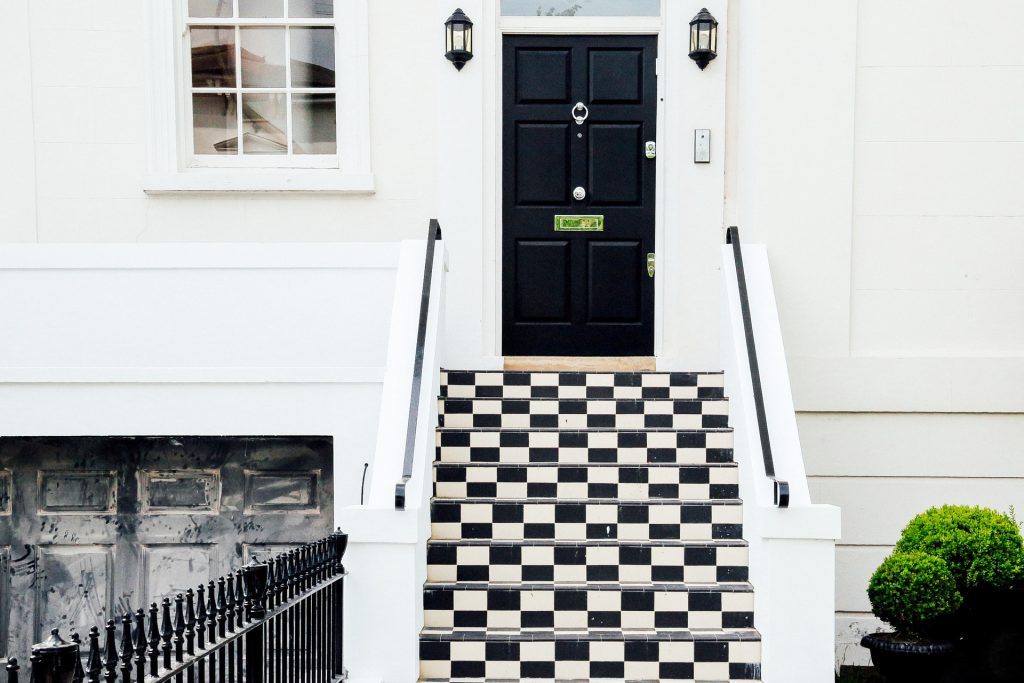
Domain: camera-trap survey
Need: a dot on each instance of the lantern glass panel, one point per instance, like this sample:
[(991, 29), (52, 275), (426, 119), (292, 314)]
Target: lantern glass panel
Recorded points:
[(458, 37), (704, 36)]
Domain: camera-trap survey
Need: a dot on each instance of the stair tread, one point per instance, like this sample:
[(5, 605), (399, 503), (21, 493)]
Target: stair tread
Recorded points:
[(551, 680), (666, 586), (658, 543), (532, 634), (577, 465), (548, 399), (589, 501)]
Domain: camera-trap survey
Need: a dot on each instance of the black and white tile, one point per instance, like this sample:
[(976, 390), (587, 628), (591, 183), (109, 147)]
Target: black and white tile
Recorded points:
[(627, 562), (586, 527), (658, 606), (625, 447), (591, 655), (580, 482), (629, 385), (586, 520), (464, 413)]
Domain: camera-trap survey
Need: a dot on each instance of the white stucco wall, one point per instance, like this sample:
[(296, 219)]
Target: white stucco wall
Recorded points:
[(878, 158), (74, 118)]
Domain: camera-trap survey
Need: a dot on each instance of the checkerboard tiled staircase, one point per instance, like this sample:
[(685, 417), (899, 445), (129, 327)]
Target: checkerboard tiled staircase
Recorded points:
[(586, 527)]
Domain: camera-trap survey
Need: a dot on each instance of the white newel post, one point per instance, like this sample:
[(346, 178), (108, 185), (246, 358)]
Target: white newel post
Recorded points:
[(792, 550)]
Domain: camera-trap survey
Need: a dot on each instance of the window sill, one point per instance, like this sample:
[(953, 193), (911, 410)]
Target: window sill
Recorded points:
[(244, 180)]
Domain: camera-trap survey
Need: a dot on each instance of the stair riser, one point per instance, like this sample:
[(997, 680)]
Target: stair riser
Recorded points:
[(541, 414), (586, 521), (582, 482), (581, 386), (635, 660), (573, 608), (622, 447), (636, 563)]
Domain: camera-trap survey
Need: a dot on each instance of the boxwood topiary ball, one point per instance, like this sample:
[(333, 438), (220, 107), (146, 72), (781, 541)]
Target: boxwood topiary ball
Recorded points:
[(982, 547), (913, 592)]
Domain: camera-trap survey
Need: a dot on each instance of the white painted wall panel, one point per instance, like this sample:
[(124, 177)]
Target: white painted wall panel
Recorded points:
[(17, 168), (854, 567), (927, 179), (938, 252), (902, 445), (940, 32), (938, 323), (196, 318), (935, 104), (875, 509)]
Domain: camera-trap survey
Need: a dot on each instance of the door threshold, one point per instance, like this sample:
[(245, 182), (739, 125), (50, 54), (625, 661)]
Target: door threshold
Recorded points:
[(580, 363)]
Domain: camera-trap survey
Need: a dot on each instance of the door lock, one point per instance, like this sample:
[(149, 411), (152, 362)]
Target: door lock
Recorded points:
[(579, 194), (650, 149), (650, 264)]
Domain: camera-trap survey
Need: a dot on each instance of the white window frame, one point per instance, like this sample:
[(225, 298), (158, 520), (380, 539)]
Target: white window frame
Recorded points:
[(169, 154)]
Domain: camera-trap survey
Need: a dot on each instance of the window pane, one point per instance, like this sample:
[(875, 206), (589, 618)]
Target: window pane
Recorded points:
[(261, 8), (318, 9), (581, 8), (263, 57), (312, 57), (210, 8), (213, 57), (214, 124), (264, 123), (314, 124)]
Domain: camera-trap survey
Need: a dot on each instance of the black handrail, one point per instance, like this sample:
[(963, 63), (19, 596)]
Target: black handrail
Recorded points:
[(433, 234), (781, 488)]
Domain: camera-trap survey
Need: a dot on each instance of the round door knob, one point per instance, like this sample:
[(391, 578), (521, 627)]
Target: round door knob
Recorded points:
[(579, 194)]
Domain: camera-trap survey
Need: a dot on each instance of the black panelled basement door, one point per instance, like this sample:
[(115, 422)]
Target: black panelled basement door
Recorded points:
[(578, 111)]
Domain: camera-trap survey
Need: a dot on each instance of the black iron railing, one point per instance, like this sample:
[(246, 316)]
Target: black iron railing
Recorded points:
[(781, 488), (433, 235), (273, 622)]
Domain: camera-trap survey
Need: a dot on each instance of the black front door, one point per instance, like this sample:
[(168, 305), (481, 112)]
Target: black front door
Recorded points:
[(578, 198)]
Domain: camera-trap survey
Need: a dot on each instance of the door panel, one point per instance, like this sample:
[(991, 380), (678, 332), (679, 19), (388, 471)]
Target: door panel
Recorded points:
[(613, 267), (616, 76), (542, 167), (543, 277), (567, 291), (93, 527), (616, 171), (542, 76)]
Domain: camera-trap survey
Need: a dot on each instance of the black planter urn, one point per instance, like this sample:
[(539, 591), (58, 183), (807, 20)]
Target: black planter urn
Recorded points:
[(905, 660)]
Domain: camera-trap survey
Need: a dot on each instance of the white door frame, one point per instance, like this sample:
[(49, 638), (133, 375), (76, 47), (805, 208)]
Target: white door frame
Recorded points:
[(689, 197), (493, 148)]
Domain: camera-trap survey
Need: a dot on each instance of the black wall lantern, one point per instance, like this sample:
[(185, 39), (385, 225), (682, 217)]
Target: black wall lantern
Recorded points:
[(703, 38), (458, 34)]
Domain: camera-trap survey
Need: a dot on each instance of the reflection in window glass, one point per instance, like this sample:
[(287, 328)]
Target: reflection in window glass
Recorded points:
[(214, 123), (314, 124), (263, 57), (260, 9), (316, 9), (312, 57), (210, 8), (213, 57), (263, 89), (581, 8), (264, 123)]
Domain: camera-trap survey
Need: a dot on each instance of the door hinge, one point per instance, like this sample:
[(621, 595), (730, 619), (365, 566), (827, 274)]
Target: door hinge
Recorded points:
[(650, 264)]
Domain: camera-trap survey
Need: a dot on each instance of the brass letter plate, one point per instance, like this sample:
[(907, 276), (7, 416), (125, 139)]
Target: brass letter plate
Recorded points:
[(579, 223)]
